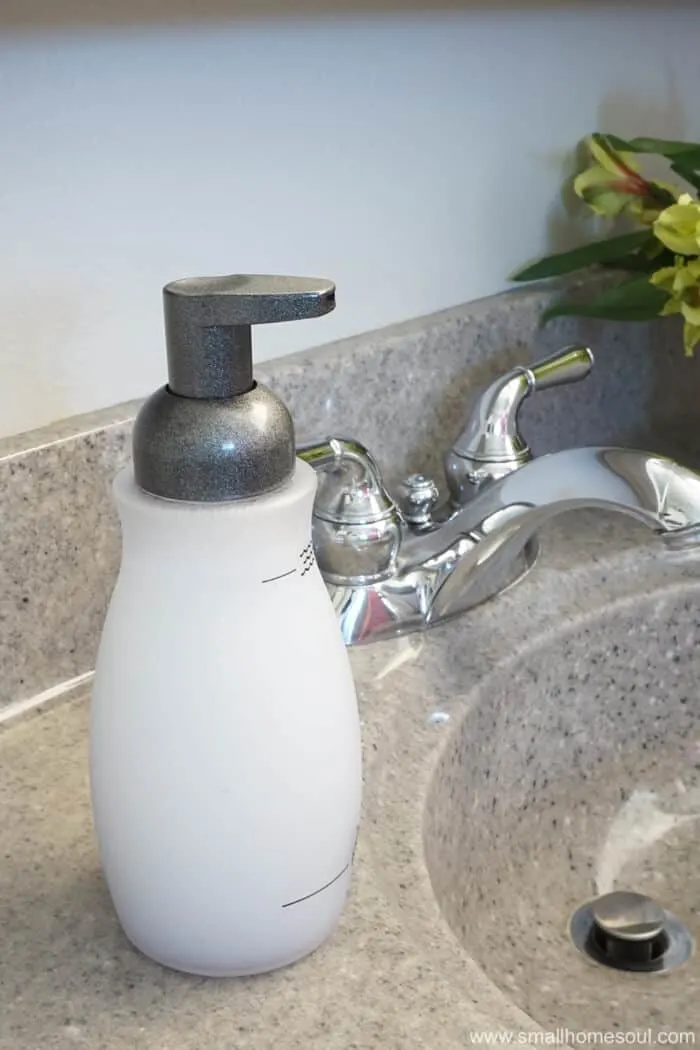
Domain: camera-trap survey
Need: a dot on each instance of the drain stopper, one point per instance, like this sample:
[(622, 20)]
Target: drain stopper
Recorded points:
[(628, 931), (629, 927)]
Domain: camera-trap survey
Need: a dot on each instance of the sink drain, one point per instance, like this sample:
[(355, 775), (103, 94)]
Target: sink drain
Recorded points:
[(628, 931)]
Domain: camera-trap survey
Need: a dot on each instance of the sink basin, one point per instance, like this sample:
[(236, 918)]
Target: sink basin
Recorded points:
[(576, 772)]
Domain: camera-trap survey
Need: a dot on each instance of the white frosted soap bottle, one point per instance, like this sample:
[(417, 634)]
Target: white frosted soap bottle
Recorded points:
[(225, 747)]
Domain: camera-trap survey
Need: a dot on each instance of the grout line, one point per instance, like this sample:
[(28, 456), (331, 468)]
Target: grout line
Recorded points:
[(20, 707)]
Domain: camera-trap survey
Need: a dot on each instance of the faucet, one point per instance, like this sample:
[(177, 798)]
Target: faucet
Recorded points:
[(406, 564)]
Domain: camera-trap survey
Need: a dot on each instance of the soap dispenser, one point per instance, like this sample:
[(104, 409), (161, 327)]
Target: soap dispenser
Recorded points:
[(225, 741)]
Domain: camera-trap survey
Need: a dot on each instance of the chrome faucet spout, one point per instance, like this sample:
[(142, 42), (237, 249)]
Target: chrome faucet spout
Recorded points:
[(505, 516), (657, 491)]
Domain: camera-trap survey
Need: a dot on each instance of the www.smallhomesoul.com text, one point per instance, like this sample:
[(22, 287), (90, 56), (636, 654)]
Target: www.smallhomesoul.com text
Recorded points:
[(571, 1037)]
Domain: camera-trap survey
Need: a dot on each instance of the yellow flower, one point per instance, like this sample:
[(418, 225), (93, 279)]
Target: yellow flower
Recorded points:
[(614, 185), (682, 282), (678, 227)]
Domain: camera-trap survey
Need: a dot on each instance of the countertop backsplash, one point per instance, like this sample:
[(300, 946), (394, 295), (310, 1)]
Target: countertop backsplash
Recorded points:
[(404, 391)]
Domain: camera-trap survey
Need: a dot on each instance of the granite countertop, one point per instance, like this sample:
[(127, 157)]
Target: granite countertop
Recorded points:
[(393, 975)]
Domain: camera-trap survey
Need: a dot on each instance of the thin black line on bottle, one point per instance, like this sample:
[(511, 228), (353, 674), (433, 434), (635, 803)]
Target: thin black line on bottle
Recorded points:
[(281, 576), (316, 892)]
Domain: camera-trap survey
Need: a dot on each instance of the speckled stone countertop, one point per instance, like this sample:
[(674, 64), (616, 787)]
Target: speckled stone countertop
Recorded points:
[(394, 975)]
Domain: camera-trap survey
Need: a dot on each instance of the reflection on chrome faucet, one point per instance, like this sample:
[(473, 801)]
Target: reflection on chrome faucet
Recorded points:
[(391, 571)]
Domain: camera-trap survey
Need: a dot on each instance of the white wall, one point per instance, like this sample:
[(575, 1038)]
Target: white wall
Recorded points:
[(414, 160)]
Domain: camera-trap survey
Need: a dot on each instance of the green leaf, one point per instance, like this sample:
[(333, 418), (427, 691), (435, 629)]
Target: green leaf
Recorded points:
[(662, 147), (640, 263), (690, 158), (634, 300), (690, 174), (684, 156), (605, 251)]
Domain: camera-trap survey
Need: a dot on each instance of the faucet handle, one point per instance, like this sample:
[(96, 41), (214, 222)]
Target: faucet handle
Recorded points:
[(491, 445), (356, 524), (568, 365)]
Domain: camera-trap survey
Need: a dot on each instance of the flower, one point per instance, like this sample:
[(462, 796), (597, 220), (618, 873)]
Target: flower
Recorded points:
[(614, 185), (678, 227), (682, 282)]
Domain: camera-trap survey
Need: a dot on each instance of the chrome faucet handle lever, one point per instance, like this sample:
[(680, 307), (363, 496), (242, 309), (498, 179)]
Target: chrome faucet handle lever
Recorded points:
[(350, 487), (491, 445), (356, 524), (568, 365)]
